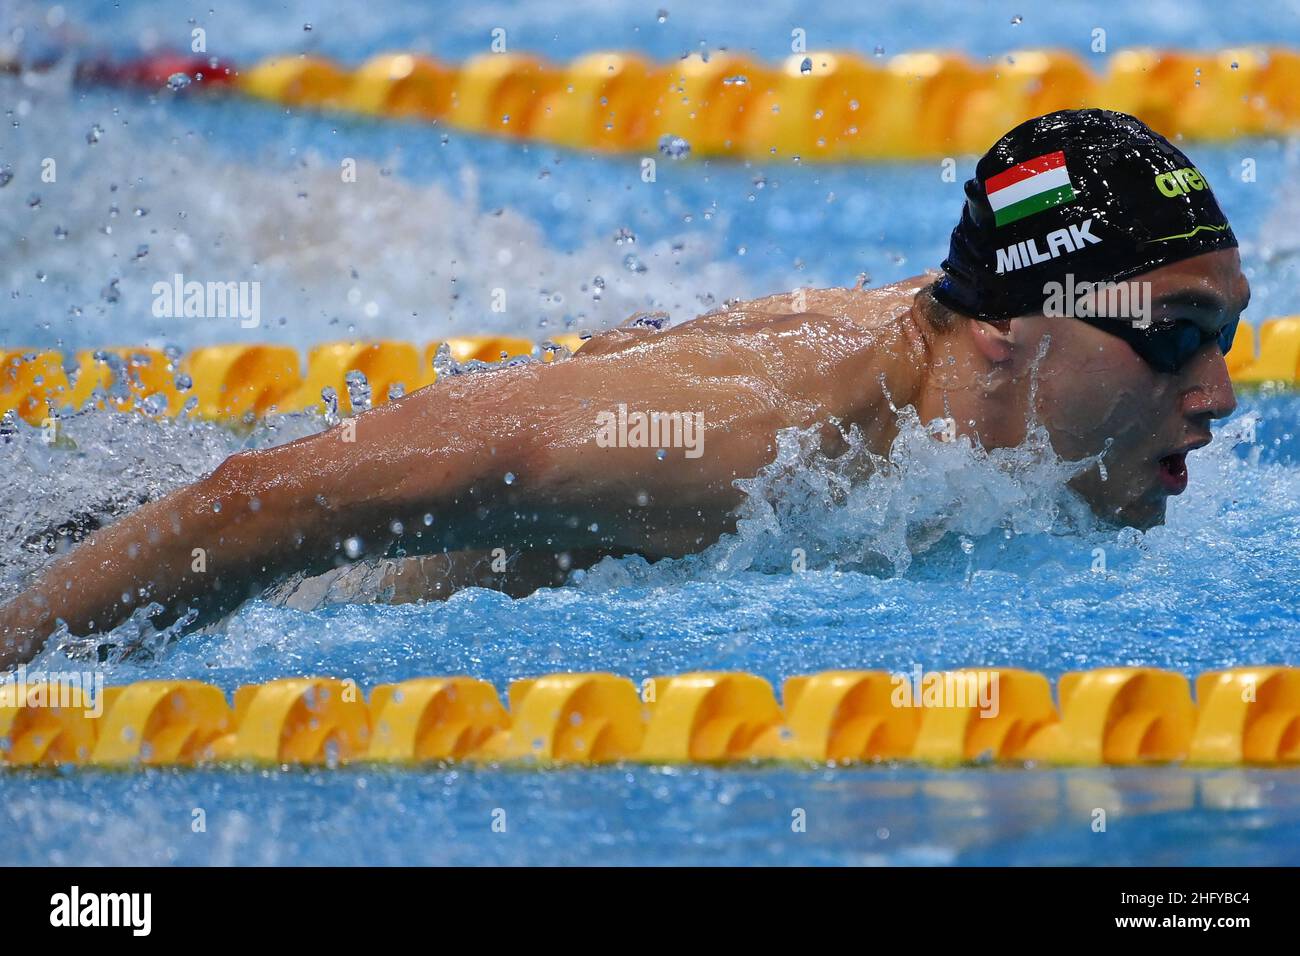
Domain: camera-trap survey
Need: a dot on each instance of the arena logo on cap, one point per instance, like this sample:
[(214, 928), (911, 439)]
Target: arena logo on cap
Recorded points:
[(1029, 187), (1180, 182)]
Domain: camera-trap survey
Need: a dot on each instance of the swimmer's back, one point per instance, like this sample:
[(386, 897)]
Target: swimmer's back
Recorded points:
[(848, 352)]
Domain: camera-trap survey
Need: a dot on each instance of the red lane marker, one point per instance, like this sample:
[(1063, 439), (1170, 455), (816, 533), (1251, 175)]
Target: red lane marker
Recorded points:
[(153, 71)]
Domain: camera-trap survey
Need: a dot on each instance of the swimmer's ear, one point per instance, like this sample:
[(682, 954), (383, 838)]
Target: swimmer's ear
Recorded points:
[(993, 339)]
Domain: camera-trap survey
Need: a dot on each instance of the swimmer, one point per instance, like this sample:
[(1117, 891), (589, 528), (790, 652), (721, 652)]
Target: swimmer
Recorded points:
[(554, 459)]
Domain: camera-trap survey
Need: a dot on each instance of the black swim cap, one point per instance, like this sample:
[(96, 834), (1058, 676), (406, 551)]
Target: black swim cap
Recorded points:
[(1092, 192)]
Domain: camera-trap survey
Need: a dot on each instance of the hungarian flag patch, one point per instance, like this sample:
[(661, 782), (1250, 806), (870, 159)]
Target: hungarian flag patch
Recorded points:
[(1029, 187)]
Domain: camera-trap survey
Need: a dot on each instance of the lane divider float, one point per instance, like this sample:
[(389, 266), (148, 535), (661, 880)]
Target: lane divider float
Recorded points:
[(1109, 716), (836, 106), (237, 382), (234, 382)]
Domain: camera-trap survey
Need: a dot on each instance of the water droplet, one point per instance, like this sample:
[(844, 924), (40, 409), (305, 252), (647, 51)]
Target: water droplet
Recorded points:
[(6, 176), (353, 548), (358, 390), (662, 16), (1017, 20), (675, 147), (661, 454), (633, 264), (331, 400), (96, 131), (155, 404), (510, 478), (178, 81)]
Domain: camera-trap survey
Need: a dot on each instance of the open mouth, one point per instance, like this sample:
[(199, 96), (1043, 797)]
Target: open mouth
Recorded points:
[(1173, 472)]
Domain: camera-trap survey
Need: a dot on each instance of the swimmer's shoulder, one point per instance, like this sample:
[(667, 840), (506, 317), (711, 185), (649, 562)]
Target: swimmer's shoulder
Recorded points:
[(857, 305), (856, 308), (855, 351), (833, 338)]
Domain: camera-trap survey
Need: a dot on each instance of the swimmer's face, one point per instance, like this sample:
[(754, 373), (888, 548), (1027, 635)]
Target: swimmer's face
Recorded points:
[(1094, 388)]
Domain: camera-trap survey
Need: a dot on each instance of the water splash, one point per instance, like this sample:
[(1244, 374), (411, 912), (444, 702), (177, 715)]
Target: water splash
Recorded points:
[(863, 511), (102, 466), (137, 639), (382, 257)]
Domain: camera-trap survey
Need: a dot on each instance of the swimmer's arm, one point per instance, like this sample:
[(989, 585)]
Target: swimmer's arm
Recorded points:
[(429, 472), (267, 513)]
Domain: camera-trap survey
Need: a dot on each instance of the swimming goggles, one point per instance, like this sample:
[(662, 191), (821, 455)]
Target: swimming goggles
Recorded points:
[(1166, 346)]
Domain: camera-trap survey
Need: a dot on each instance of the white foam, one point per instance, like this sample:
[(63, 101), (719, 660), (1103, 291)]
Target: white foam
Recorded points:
[(863, 511), (380, 257)]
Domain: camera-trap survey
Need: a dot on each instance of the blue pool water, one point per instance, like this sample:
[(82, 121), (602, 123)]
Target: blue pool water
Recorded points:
[(868, 817), (438, 218)]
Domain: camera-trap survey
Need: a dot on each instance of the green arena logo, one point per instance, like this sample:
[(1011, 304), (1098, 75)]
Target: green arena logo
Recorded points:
[(1181, 181)]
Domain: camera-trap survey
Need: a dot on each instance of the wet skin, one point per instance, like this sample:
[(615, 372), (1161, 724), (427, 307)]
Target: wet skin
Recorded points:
[(427, 473)]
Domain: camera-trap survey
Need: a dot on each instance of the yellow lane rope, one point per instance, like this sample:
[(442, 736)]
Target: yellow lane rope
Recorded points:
[(1242, 716), (233, 382), (819, 106)]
